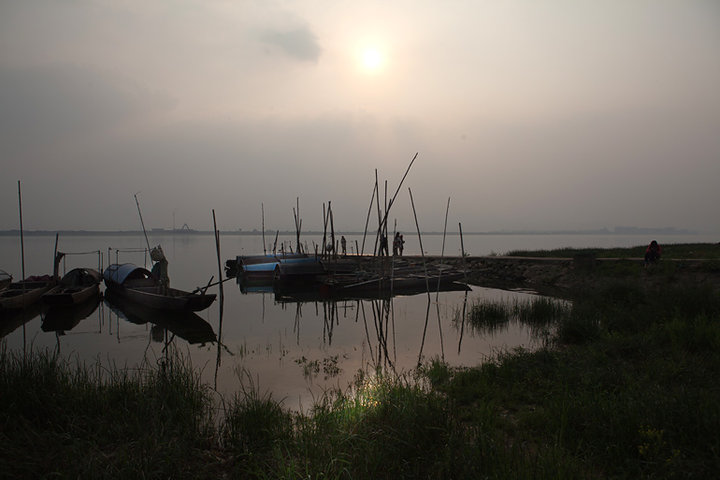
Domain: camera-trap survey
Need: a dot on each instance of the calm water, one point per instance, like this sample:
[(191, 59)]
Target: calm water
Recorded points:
[(292, 350)]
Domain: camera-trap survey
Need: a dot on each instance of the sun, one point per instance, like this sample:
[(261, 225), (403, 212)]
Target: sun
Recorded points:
[(372, 60)]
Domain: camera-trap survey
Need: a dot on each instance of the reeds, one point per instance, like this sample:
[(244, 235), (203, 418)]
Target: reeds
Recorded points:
[(626, 389)]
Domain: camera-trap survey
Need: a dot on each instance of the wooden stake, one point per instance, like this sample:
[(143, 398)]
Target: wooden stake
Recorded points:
[(217, 249), (262, 208), (22, 240), (367, 219)]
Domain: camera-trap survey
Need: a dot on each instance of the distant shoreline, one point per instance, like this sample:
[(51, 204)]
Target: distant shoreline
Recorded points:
[(185, 232)]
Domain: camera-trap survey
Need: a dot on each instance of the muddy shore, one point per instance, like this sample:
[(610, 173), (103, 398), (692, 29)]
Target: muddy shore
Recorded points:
[(558, 276)]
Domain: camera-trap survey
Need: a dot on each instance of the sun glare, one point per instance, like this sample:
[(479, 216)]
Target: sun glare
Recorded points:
[(372, 60)]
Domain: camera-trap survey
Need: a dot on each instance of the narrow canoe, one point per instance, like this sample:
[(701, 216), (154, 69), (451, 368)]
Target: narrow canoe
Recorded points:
[(23, 293), (76, 287), (137, 285)]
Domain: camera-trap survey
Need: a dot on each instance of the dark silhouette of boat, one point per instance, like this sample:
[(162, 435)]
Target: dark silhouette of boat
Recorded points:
[(136, 284), (22, 294), (77, 286)]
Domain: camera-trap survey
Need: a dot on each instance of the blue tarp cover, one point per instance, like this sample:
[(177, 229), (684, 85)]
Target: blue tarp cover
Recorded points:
[(119, 273)]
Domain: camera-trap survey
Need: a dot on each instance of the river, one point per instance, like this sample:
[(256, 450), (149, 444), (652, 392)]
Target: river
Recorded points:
[(292, 351)]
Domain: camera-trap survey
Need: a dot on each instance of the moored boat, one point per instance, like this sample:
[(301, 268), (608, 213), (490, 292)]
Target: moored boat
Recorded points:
[(25, 292), (5, 279), (136, 284), (75, 287)]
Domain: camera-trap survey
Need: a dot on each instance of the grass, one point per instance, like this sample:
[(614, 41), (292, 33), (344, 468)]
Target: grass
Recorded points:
[(626, 387), (684, 251)]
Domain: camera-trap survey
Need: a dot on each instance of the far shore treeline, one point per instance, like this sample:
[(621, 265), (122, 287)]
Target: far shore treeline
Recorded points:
[(189, 231)]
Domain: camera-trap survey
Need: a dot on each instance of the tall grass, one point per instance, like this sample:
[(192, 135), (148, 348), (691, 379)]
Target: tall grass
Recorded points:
[(67, 419), (627, 389), (540, 314)]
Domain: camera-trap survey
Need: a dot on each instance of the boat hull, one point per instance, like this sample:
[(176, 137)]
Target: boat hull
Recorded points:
[(160, 298), (23, 294), (135, 284)]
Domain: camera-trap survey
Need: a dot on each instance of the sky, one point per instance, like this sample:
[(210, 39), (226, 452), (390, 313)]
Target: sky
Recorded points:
[(525, 115)]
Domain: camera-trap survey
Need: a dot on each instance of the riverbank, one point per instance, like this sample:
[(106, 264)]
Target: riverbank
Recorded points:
[(561, 272), (625, 386)]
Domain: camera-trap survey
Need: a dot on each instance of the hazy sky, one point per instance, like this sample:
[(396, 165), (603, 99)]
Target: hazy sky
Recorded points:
[(527, 114)]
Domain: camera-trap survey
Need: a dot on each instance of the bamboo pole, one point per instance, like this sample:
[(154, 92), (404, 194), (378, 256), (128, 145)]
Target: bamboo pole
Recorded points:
[(325, 221), (332, 229), (367, 219), (219, 263), (262, 209), (392, 200), (22, 239), (422, 250), (377, 201), (141, 221), (442, 251), (22, 266)]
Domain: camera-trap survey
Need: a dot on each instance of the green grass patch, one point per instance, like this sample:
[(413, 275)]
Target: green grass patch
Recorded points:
[(670, 251), (627, 387)]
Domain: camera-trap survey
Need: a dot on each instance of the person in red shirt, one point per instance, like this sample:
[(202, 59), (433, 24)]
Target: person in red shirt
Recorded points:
[(652, 252)]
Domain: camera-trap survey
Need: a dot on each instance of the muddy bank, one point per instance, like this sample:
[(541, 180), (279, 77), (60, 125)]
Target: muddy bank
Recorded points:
[(559, 276)]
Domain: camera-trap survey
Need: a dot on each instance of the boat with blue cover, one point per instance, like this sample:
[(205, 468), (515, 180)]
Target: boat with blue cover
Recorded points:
[(136, 284)]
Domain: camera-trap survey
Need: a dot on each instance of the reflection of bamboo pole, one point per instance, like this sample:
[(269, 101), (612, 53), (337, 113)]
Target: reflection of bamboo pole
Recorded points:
[(462, 324), (222, 297), (422, 250), (367, 332)]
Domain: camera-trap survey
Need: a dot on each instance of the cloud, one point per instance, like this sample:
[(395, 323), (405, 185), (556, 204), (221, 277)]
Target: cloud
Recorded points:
[(44, 104), (299, 43)]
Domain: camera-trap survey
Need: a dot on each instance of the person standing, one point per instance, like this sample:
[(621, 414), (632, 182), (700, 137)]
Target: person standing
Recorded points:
[(383, 245)]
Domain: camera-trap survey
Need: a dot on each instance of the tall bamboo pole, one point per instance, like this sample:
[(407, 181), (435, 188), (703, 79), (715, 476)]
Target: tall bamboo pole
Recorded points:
[(367, 219), (262, 209), (22, 266), (141, 222), (22, 240)]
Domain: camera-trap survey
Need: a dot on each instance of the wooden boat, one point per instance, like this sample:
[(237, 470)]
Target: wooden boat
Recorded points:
[(299, 273), (25, 292), (77, 286), (5, 279), (264, 265), (129, 282), (184, 323)]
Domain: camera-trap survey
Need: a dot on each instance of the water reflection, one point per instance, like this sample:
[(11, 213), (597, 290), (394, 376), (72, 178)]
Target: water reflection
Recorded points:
[(373, 306), (11, 320), (184, 324), (63, 319)]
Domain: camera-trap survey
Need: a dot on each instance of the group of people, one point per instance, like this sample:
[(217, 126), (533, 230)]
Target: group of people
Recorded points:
[(398, 245)]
